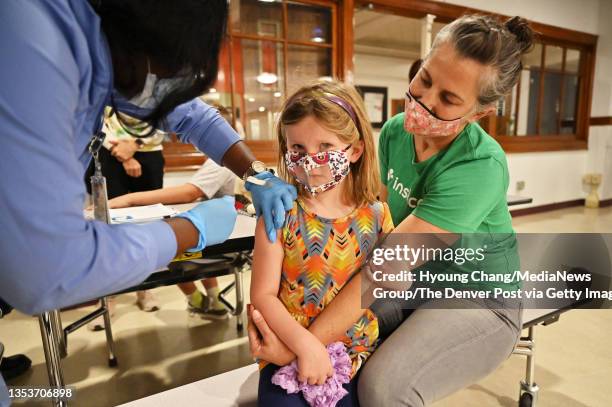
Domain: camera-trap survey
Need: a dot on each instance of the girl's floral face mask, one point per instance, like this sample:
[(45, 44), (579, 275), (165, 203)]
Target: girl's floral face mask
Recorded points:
[(318, 172)]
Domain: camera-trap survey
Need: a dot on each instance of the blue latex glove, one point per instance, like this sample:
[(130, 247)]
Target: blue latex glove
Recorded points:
[(214, 219), (272, 201)]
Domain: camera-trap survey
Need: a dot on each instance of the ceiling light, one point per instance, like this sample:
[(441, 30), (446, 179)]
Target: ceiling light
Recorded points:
[(317, 35), (267, 78)]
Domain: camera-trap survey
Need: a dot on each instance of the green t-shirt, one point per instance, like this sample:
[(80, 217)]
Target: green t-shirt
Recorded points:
[(460, 189)]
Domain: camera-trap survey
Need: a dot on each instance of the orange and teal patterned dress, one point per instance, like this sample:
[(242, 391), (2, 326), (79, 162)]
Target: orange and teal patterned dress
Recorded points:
[(321, 255)]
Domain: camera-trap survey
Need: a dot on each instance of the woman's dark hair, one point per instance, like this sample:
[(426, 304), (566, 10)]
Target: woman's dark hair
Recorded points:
[(184, 37), (493, 44)]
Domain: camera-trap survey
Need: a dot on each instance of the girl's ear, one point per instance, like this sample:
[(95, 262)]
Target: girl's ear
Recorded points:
[(479, 115), (356, 151)]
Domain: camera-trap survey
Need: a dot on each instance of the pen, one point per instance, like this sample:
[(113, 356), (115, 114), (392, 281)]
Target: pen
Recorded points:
[(122, 218)]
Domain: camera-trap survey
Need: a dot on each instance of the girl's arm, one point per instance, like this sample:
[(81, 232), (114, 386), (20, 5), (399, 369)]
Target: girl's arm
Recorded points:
[(185, 193), (265, 282), (314, 365)]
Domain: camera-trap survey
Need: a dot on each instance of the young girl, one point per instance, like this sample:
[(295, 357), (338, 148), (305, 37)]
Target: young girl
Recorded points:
[(326, 149)]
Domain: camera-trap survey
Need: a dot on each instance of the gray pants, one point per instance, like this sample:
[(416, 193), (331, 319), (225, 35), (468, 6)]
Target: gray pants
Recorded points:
[(435, 352)]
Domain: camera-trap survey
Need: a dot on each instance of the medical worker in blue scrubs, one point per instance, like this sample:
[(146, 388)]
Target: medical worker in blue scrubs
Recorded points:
[(63, 61)]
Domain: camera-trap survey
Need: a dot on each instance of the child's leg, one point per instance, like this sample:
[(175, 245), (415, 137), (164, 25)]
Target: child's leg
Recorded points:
[(351, 399), (212, 290), (187, 288), (209, 283), (207, 307), (271, 395), (147, 301)]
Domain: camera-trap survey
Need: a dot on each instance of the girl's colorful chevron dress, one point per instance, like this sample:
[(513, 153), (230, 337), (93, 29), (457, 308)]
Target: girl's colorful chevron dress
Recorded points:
[(320, 257)]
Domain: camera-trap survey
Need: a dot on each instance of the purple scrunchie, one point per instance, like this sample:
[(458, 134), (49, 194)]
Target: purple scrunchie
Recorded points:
[(324, 395)]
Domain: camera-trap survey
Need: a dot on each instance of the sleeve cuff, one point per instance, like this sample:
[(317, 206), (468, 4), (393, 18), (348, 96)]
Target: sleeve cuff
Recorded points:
[(445, 224)]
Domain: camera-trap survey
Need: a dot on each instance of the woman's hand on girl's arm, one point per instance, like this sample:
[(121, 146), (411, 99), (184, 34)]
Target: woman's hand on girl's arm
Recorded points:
[(314, 364), (265, 344)]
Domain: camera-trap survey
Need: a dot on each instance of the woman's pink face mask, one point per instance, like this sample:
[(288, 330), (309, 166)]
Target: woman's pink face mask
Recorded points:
[(419, 120)]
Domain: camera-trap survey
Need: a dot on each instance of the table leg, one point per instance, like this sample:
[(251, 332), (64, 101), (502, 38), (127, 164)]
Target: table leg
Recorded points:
[(239, 298)]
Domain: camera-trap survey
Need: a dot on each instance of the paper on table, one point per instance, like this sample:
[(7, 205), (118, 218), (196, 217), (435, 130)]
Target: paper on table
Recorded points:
[(137, 214)]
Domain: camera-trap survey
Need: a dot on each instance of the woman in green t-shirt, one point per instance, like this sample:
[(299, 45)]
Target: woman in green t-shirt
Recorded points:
[(442, 173)]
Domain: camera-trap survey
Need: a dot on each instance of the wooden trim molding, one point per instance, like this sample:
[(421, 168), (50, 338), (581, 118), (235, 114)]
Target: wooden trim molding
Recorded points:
[(264, 150), (346, 67), (525, 144), (546, 208), (182, 157), (601, 121), (555, 206), (185, 157), (605, 202)]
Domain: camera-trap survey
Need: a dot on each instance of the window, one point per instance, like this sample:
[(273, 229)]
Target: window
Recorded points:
[(549, 109), (273, 48), (545, 99), (277, 47)]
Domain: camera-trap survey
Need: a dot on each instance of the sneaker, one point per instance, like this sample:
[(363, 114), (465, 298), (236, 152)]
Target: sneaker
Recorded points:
[(146, 301), (14, 366), (207, 311)]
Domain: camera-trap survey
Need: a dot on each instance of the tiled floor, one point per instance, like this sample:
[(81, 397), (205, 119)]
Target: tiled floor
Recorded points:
[(167, 348)]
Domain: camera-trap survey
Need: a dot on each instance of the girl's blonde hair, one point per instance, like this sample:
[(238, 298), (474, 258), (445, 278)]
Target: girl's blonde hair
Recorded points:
[(363, 181)]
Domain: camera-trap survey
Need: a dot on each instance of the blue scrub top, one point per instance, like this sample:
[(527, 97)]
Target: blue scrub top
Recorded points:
[(55, 80)]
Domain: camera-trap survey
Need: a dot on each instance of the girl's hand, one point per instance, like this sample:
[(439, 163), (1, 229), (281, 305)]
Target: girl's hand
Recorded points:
[(264, 343), (314, 365), (132, 168)]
